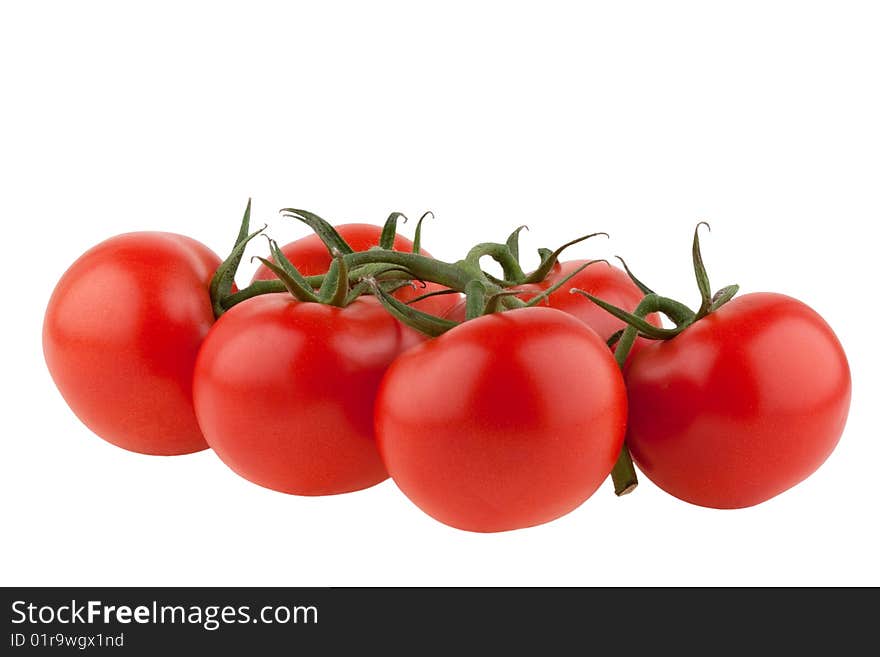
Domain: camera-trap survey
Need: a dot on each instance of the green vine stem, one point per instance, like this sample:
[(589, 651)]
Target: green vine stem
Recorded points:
[(624, 472), (383, 263), (455, 276), (500, 253)]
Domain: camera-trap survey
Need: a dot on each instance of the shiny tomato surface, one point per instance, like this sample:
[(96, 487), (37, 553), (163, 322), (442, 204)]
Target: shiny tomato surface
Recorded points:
[(284, 392), (507, 421), (121, 334), (743, 405)]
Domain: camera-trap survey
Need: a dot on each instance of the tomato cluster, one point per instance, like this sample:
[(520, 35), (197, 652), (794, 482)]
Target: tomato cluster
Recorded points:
[(494, 403)]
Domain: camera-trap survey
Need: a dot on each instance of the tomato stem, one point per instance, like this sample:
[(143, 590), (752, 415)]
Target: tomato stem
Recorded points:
[(255, 289), (382, 263), (501, 254), (624, 473), (475, 299), (364, 264)]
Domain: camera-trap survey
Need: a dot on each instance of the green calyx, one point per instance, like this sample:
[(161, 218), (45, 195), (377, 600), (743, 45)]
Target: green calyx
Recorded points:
[(333, 288), (221, 284), (354, 273), (424, 322), (680, 315), (381, 270)]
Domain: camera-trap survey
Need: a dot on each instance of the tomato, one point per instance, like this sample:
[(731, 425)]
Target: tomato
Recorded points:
[(284, 392), (599, 279), (506, 421), (742, 405), (311, 257), (121, 334)]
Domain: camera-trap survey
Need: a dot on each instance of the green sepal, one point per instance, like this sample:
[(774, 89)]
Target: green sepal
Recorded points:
[(500, 282), (534, 301), (328, 285), (423, 322), (644, 288), (288, 267), (435, 293), (244, 227), (334, 291), (389, 230), (614, 338), (300, 292), (549, 259), (377, 271), (288, 274), (513, 242), (362, 288), (417, 238), (700, 272), (644, 327), (224, 278), (326, 232), (496, 301), (722, 296)]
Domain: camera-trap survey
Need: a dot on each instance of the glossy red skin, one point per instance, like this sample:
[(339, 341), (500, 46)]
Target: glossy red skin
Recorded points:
[(284, 392), (599, 279), (507, 421), (121, 334), (311, 257), (743, 405)]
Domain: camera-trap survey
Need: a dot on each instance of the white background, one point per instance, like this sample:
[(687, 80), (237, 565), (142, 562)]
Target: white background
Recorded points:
[(635, 118)]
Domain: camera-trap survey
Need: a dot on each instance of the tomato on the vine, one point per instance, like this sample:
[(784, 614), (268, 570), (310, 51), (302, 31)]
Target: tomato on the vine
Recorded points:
[(509, 420), (121, 334), (284, 391), (742, 405)]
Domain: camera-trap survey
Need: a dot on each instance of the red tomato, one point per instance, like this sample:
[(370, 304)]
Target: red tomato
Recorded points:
[(284, 392), (599, 279), (121, 334), (311, 257), (742, 405), (507, 421)]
